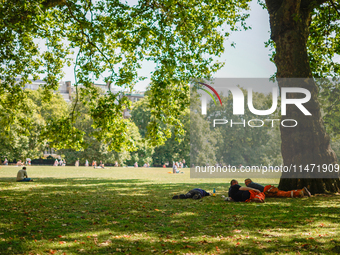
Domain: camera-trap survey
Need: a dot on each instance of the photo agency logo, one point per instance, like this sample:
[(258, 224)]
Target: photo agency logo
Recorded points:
[(236, 127), (239, 105)]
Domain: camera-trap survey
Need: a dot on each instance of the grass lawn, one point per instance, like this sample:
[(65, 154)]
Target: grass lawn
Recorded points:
[(70, 210)]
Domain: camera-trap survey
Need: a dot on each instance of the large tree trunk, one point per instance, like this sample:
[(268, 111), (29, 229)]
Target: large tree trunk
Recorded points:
[(307, 143)]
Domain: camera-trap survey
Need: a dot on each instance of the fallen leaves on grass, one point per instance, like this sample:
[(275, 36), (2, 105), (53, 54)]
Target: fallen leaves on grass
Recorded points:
[(106, 243), (189, 246)]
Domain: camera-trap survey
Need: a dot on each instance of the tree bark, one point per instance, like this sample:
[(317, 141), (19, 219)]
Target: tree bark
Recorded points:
[(308, 142)]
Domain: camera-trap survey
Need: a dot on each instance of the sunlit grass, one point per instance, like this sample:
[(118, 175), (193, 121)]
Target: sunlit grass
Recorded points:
[(130, 211)]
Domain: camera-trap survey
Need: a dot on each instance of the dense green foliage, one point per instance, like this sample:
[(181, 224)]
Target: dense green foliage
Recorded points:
[(176, 148), (111, 39), (213, 145), (208, 144), (19, 141)]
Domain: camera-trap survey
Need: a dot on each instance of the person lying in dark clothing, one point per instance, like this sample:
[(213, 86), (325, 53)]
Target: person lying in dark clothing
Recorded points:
[(194, 194)]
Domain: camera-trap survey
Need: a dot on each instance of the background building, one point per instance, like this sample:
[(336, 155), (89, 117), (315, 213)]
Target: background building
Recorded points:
[(133, 97), (65, 88)]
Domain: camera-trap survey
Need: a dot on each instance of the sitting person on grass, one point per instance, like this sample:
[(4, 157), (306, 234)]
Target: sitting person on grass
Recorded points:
[(101, 164), (244, 194), (194, 194), (22, 176), (271, 191)]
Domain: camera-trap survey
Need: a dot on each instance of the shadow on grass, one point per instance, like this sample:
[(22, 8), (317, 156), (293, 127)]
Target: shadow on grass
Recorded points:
[(80, 215), (75, 180)]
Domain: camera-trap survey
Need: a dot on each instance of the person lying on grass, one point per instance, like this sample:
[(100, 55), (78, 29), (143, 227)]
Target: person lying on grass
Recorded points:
[(244, 194), (194, 194), (272, 191), (22, 176)]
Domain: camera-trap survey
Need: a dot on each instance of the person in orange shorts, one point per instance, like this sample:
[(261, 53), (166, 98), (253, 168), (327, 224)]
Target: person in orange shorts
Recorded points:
[(272, 191)]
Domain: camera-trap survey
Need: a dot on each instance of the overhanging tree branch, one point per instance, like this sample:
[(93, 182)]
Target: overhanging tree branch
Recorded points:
[(335, 7), (88, 39)]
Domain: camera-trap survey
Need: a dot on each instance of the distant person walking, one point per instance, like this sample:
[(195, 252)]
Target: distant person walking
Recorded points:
[(6, 162), (22, 176)]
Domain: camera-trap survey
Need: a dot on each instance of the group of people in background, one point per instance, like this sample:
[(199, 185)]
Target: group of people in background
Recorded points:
[(61, 162), (94, 164), (145, 164), (28, 161), (177, 165), (19, 162)]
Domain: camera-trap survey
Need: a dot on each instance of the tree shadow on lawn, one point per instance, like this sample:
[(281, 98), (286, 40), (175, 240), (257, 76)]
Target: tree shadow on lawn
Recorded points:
[(122, 186), (134, 216), (77, 180)]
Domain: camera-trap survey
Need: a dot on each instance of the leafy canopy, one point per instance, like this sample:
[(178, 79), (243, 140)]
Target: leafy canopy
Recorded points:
[(112, 39)]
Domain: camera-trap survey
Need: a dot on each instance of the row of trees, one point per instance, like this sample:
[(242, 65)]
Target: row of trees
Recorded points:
[(30, 142), (18, 141), (220, 144)]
